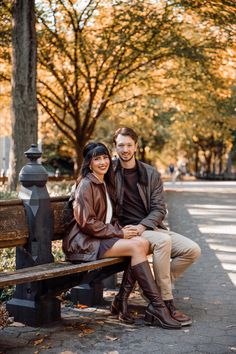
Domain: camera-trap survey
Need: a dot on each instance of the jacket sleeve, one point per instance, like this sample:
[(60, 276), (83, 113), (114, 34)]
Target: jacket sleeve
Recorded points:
[(157, 203), (86, 217)]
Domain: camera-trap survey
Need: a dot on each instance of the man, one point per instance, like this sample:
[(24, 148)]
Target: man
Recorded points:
[(141, 203)]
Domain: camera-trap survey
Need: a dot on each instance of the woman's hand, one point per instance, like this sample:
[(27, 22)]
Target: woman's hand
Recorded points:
[(129, 231)]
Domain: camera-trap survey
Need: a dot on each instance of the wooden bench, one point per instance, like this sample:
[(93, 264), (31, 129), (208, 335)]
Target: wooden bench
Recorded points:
[(31, 225), (14, 233), (62, 275)]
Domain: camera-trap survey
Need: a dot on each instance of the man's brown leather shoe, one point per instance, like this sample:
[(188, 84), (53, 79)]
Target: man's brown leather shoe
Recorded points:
[(179, 316)]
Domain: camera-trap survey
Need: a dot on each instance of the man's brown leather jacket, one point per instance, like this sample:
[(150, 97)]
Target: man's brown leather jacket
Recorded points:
[(150, 188)]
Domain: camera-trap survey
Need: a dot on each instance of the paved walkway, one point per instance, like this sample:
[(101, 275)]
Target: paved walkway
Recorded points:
[(207, 292)]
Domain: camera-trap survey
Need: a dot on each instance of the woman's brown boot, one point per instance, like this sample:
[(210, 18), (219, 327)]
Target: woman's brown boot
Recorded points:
[(119, 305), (156, 312)]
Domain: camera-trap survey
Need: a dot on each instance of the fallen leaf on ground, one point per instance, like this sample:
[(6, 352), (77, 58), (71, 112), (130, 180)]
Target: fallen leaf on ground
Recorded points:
[(79, 306), (86, 332), (110, 293), (111, 338), (217, 302), (89, 330), (17, 324), (38, 341), (83, 326), (135, 313)]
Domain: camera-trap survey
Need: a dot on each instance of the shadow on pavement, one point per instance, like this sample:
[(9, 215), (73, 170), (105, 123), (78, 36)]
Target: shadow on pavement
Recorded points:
[(207, 289), (206, 292)]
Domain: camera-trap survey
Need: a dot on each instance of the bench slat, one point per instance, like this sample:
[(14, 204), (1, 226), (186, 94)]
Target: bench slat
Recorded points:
[(52, 270), (13, 222), (59, 208)]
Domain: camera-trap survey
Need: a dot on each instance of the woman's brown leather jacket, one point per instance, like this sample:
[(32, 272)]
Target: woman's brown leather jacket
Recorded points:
[(83, 241)]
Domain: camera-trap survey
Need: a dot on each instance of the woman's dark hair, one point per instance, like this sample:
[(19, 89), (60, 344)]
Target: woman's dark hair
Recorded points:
[(91, 150)]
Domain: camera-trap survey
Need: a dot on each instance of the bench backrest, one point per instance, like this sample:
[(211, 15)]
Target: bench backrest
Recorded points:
[(13, 222)]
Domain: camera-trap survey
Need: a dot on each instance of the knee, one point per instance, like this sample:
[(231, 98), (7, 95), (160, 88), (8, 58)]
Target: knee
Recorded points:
[(195, 252), (141, 246), (145, 245), (164, 242), (167, 241)]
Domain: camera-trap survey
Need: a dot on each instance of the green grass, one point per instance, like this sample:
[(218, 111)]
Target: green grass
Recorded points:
[(60, 188)]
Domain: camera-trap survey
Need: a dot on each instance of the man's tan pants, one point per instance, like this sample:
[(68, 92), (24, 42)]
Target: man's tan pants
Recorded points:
[(165, 246)]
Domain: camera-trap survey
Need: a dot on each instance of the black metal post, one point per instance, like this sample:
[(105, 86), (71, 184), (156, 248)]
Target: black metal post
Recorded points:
[(90, 291), (32, 304)]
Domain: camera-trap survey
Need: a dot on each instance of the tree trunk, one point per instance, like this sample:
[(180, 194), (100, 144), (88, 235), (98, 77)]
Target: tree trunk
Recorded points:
[(208, 163), (24, 102), (79, 158), (142, 153), (196, 162), (214, 158)]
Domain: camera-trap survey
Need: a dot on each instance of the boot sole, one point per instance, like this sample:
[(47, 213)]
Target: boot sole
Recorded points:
[(122, 320), (186, 323), (152, 320), (114, 311)]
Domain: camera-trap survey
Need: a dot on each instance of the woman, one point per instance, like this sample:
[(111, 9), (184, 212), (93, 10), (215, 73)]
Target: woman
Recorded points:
[(96, 234)]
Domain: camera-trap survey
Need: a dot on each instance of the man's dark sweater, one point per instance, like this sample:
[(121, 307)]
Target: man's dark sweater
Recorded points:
[(133, 208)]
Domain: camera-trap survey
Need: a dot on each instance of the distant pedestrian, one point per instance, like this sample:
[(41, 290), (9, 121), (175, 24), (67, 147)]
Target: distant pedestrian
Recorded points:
[(171, 168), (3, 176), (57, 173)]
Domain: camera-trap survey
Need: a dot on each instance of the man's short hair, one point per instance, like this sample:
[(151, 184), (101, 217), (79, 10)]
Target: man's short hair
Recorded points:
[(126, 132)]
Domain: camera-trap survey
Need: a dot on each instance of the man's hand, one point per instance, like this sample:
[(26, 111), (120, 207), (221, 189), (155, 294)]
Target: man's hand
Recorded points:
[(130, 231), (139, 228)]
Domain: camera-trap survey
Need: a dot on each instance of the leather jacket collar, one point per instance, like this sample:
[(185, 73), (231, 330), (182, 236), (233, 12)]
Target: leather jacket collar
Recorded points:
[(142, 173), (93, 178)]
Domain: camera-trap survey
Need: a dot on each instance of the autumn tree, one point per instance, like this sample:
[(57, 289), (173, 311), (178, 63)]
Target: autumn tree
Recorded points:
[(24, 102), (5, 67), (167, 68), (199, 82), (88, 54), (186, 103)]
